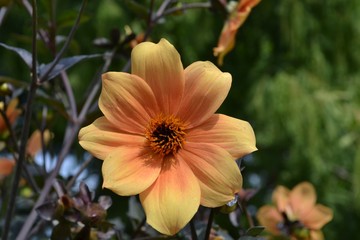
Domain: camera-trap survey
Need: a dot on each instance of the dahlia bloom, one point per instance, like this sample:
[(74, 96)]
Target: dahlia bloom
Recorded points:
[(159, 136), (236, 18), (295, 213)]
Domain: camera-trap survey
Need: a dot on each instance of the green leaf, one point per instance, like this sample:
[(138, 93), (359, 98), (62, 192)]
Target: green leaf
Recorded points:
[(56, 105), (254, 231), (137, 8)]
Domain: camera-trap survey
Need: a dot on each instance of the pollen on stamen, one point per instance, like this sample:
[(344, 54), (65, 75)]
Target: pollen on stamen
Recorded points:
[(166, 134)]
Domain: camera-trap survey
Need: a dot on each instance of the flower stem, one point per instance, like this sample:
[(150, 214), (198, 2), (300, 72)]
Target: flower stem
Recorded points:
[(25, 129), (247, 214), (209, 224)]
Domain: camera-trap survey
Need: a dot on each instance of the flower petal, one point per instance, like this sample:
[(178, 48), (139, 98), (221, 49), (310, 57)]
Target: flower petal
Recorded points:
[(280, 197), (234, 135), (173, 199), (302, 199), (130, 170), (206, 87), (318, 217), (36, 140), (160, 66), (12, 112), (127, 101), (6, 167), (269, 217), (236, 19), (219, 176), (101, 137)]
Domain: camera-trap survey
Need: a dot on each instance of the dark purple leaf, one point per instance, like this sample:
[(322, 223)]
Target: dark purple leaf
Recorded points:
[(62, 65), (25, 55), (105, 202), (47, 210), (85, 193)]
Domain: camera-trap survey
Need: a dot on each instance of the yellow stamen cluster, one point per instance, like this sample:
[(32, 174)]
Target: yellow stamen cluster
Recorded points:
[(166, 134)]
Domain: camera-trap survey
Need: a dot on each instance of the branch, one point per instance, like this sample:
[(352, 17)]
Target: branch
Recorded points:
[(66, 44), (25, 129)]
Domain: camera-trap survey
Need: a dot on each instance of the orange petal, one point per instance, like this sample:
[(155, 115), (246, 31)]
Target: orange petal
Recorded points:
[(173, 199), (34, 144), (302, 199), (130, 170), (234, 135), (127, 101), (206, 87), (6, 167), (12, 112), (101, 137), (280, 197), (160, 66), (218, 174), (269, 217), (318, 217), (236, 19)]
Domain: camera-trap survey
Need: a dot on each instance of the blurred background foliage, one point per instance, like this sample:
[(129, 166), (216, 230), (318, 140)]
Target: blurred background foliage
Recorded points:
[(296, 79)]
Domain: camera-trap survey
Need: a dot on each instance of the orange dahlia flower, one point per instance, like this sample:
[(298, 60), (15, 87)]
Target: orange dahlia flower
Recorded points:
[(159, 136), (236, 18), (295, 213)]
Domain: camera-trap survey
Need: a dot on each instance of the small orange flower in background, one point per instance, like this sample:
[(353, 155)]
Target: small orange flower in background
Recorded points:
[(6, 167), (236, 18), (12, 112), (295, 213), (32, 148), (34, 143), (160, 137)]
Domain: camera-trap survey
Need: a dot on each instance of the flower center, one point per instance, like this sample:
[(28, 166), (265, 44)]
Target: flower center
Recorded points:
[(166, 134)]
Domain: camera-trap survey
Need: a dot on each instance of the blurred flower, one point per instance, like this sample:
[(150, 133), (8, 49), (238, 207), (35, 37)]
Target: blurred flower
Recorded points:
[(138, 39), (11, 112), (161, 139), (295, 213), (6, 167), (236, 18), (34, 144)]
